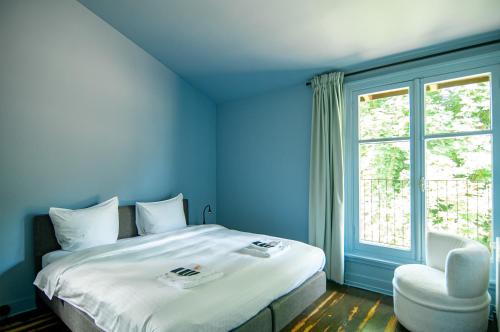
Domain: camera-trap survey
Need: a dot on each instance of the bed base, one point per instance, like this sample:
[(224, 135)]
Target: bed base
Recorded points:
[(272, 318)]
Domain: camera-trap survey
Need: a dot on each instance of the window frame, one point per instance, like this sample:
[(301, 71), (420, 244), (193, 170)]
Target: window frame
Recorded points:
[(424, 136), (364, 248), (415, 79)]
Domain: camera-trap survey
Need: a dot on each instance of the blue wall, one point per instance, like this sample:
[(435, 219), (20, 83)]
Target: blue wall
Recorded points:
[(263, 163), (85, 114)]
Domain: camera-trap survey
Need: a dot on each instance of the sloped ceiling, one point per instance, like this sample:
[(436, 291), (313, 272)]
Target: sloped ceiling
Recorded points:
[(231, 49)]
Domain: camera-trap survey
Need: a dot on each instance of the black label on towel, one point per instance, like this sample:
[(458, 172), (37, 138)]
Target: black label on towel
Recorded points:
[(183, 272), (264, 245)]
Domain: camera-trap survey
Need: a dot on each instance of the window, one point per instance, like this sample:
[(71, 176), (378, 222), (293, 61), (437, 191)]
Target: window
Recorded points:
[(420, 156), (458, 154), (384, 168)]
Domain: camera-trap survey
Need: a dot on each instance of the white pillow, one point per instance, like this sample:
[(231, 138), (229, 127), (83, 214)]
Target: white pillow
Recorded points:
[(85, 228), (160, 217)]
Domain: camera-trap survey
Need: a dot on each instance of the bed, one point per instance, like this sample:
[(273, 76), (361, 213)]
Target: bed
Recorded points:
[(270, 311)]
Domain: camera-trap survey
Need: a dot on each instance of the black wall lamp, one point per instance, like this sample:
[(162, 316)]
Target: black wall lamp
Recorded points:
[(205, 210)]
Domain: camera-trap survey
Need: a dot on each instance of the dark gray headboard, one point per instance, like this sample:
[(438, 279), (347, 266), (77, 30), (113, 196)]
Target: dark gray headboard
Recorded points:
[(45, 238)]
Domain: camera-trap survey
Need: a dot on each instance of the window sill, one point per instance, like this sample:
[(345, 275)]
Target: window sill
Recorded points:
[(374, 261)]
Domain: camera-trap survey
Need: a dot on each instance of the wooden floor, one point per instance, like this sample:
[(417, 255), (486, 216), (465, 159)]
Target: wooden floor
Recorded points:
[(37, 320), (340, 309), (344, 308)]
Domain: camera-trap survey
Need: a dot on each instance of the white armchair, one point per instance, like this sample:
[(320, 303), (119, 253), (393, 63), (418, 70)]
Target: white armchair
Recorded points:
[(450, 292)]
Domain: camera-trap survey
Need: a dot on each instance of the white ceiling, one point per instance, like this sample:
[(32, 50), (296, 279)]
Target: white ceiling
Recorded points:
[(236, 48)]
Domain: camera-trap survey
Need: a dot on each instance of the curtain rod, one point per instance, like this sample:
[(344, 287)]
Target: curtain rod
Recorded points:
[(362, 71)]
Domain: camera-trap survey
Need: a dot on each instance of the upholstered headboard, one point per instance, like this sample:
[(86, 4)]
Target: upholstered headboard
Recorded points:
[(45, 238)]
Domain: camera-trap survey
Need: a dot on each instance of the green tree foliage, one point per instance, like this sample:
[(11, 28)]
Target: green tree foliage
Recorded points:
[(390, 163), (458, 199)]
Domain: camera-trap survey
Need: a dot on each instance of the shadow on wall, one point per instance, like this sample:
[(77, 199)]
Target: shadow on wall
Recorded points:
[(25, 268)]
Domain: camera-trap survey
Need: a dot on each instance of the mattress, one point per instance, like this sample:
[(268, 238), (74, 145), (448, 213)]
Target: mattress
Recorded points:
[(117, 285)]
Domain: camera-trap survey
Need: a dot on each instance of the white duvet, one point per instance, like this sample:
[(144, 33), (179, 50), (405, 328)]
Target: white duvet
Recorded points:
[(118, 284)]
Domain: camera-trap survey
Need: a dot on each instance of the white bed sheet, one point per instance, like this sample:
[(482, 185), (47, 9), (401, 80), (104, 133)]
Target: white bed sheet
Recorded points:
[(53, 256), (117, 284)]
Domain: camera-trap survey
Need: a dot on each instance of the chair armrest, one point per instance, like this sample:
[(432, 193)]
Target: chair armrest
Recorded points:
[(438, 246), (467, 271)]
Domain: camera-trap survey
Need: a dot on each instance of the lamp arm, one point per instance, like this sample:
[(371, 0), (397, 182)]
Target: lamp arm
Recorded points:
[(204, 210)]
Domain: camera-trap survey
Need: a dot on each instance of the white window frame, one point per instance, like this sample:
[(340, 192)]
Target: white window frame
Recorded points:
[(415, 79)]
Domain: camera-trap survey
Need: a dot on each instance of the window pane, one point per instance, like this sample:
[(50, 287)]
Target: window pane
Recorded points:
[(384, 114), (458, 186), (384, 193), (458, 105)]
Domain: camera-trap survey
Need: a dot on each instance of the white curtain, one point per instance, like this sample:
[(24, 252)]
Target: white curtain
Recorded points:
[(326, 196)]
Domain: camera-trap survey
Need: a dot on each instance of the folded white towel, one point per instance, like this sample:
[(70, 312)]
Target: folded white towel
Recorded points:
[(265, 249), (190, 276), (267, 246)]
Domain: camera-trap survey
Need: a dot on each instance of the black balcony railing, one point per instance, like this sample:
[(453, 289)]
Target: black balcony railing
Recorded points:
[(459, 206)]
